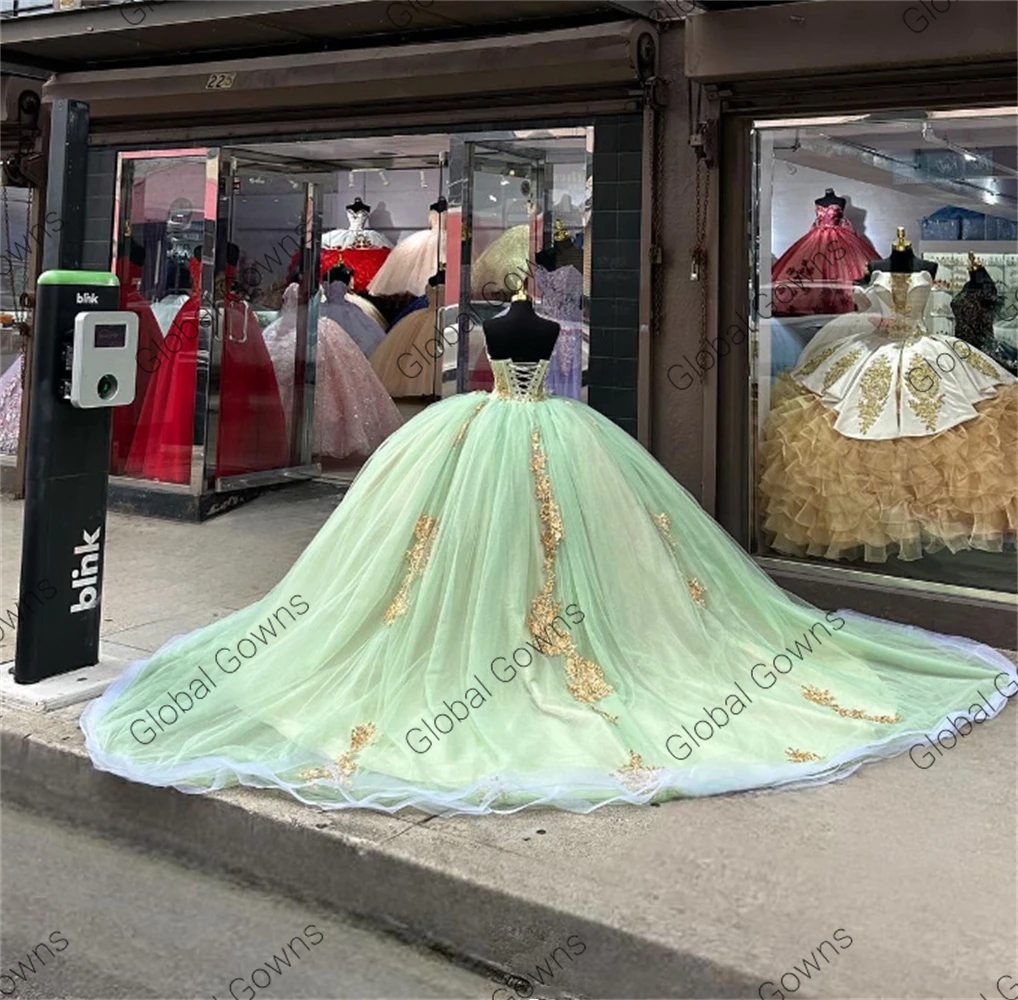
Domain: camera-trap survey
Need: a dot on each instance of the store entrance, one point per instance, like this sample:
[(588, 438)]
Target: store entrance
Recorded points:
[(299, 301)]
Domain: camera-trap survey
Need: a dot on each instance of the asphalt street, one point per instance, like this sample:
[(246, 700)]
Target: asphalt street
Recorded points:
[(97, 919)]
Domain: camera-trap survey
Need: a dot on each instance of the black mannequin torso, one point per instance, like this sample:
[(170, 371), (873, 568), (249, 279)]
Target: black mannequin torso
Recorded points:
[(560, 254), (830, 198), (339, 273), (520, 334), (904, 262)]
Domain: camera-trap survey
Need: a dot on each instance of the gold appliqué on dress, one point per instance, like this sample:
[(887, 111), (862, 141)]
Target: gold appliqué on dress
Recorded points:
[(587, 677), (900, 285), (588, 683), (417, 557), (841, 366), (664, 525), (810, 366), (346, 763), (875, 386), (800, 756), (635, 774), (823, 697), (607, 716), (975, 359), (698, 592), (462, 433), (925, 401)]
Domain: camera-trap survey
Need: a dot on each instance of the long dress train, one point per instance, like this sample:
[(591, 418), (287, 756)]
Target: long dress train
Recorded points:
[(519, 566)]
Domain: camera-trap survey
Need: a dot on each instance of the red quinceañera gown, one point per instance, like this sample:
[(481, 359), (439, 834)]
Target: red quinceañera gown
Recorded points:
[(252, 428), (127, 418), (815, 274)]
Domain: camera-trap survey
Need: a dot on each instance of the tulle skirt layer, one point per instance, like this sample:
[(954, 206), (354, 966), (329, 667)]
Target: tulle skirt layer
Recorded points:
[(828, 495), (515, 605)]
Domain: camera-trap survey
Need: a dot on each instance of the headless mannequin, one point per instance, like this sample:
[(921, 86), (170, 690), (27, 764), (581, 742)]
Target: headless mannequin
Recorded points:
[(973, 307), (830, 198), (439, 206), (357, 205), (520, 334), (339, 273), (902, 259), (562, 252)]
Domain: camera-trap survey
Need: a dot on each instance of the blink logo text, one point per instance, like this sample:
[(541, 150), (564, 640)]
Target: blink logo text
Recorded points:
[(85, 579), (87, 299)]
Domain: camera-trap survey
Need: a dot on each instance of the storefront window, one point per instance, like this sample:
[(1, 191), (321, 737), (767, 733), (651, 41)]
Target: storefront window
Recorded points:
[(17, 241), (883, 315), (165, 201), (299, 300)]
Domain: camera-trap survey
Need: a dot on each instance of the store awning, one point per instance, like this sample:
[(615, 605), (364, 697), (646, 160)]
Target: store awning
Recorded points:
[(149, 32), (509, 71)]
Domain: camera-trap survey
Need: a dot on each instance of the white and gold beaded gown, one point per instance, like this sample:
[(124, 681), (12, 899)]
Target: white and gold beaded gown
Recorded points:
[(890, 437), (516, 605)]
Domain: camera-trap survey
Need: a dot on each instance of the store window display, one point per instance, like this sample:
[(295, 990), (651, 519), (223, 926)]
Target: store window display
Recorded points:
[(892, 437)]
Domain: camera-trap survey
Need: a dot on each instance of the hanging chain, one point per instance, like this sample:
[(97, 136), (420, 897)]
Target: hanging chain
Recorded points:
[(699, 270), (657, 272)]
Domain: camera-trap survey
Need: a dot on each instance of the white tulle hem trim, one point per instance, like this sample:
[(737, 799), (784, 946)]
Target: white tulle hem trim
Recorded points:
[(581, 791)]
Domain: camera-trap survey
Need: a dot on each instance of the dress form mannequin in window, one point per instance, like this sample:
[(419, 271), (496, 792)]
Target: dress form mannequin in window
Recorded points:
[(414, 260), (903, 260), (814, 276), (362, 329), (830, 198), (559, 281), (974, 310), (407, 359), (364, 250), (519, 334)]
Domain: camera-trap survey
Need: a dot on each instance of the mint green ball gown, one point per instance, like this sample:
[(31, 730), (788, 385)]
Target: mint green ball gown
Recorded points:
[(516, 605)]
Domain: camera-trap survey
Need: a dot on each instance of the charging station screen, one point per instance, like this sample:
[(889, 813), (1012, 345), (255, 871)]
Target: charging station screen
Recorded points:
[(110, 335)]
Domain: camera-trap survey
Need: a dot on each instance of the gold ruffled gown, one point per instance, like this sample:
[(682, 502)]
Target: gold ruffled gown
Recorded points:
[(888, 439)]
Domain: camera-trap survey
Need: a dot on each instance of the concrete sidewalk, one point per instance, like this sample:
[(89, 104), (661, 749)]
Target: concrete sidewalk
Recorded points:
[(703, 898)]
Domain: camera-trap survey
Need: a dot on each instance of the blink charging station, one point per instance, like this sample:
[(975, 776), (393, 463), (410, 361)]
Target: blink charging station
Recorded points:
[(85, 363)]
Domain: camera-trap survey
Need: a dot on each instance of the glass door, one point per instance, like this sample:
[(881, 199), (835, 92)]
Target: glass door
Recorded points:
[(523, 197), (267, 293), (163, 250)]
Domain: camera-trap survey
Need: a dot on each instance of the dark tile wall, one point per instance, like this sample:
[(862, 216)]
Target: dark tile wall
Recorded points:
[(100, 188), (615, 272)]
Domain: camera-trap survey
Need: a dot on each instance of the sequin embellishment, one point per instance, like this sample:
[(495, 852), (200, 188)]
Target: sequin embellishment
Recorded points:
[(875, 386), (976, 359), (841, 366), (821, 696), (800, 756), (417, 557), (635, 774), (664, 525), (346, 762), (810, 366), (923, 384), (587, 677), (698, 592), (462, 433)]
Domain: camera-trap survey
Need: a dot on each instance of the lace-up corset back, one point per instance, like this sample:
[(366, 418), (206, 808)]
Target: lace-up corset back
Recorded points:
[(519, 381)]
